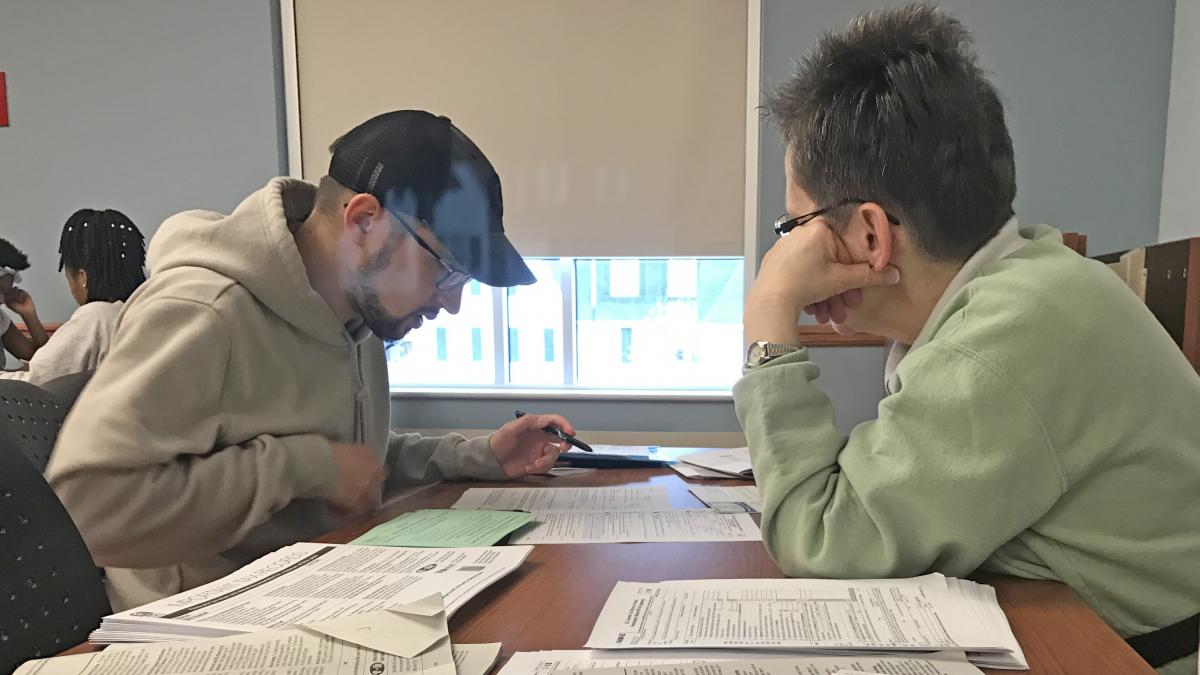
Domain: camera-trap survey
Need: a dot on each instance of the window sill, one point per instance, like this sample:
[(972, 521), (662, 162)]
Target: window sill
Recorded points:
[(577, 394)]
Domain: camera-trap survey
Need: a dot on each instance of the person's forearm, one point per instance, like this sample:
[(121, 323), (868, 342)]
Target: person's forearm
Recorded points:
[(37, 332), (194, 506), (770, 319)]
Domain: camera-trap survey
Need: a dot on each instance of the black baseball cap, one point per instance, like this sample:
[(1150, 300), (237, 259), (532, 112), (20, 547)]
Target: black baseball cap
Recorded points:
[(419, 164)]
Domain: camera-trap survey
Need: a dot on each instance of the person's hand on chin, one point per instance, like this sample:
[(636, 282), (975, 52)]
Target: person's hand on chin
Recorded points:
[(810, 270)]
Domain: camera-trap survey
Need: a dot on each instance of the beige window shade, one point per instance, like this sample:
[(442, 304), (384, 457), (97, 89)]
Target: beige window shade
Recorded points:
[(617, 126)]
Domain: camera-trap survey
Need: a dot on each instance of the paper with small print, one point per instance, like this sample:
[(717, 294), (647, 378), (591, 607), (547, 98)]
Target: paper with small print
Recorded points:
[(893, 615), (660, 526), (556, 499), (941, 663), (273, 652)]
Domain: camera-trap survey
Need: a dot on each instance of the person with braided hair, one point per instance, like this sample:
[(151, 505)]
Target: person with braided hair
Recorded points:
[(15, 342), (102, 254)]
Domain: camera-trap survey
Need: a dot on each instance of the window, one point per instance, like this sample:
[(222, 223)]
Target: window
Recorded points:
[(444, 353), (627, 323), (681, 277), (476, 344), (536, 310), (625, 278), (654, 340)]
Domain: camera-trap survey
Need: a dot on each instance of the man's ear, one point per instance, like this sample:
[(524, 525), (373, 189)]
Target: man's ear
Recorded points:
[(360, 216), (877, 235)]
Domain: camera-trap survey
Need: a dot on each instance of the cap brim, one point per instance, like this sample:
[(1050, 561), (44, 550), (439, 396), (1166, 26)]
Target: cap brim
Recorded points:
[(489, 257)]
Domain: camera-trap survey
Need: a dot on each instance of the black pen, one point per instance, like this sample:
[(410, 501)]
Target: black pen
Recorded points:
[(555, 431)]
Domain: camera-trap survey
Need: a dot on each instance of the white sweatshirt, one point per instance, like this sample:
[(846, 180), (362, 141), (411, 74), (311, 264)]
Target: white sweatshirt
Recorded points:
[(77, 346)]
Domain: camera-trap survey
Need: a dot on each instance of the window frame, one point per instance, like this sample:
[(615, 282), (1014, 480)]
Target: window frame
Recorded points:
[(291, 159)]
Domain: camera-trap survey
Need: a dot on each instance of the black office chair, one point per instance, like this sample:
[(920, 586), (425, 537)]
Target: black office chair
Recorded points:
[(66, 389), (29, 420), (50, 590)]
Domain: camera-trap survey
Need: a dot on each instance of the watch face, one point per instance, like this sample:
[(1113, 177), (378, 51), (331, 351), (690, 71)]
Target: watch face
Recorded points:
[(755, 353)]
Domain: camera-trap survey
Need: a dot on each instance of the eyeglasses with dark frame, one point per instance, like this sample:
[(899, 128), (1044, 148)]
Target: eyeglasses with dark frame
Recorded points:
[(452, 276), (785, 223)]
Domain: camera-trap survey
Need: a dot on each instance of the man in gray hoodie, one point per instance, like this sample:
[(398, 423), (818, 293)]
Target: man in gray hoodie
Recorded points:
[(244, 402)]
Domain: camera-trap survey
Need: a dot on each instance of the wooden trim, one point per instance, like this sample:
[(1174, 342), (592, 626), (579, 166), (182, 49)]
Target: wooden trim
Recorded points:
[(1076, 242), (1191, 310), (826, 336), (50, 328)]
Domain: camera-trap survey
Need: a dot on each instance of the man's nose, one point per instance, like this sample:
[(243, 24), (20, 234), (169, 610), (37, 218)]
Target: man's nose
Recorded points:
[(451, 300)]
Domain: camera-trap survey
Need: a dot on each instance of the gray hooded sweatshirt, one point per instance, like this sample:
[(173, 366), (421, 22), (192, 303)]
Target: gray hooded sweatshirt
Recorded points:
[(202, 441)]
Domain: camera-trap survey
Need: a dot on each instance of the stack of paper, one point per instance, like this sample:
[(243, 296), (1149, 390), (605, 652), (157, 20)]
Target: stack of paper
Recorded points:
[(411, 638), (742, 499), (290, 651), (728, 662), (309, 583), (609, 515), (726, 463), (859, 617)]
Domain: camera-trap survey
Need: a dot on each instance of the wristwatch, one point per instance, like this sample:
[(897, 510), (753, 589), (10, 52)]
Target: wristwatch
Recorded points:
[(761, 352)]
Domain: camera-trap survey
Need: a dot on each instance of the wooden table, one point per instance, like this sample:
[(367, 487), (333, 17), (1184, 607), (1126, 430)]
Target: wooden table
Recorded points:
[(553, 600)]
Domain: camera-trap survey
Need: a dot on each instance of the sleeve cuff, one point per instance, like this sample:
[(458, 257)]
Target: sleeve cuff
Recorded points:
[(475, 459)]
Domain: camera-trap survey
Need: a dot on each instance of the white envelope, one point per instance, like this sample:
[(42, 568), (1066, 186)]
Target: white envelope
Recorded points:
[(403, 630)]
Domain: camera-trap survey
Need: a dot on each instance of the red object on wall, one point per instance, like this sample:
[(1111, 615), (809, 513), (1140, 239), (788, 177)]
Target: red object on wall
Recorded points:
[(3, 101)]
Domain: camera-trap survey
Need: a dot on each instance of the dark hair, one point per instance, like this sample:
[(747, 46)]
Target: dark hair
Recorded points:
[(895, 109), (109, 247), (11, 256)]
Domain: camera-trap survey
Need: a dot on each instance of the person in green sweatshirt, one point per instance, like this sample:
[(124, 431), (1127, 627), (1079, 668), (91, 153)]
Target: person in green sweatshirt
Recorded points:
[(1039, 421)]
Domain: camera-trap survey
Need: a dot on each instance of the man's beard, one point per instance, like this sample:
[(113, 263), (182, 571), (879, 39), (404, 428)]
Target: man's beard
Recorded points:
[(366, 300), (385, 326)]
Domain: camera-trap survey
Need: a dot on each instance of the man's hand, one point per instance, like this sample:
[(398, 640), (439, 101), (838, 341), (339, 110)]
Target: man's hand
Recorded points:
[(20, 302), (359, 487), (808, 270), (522, 448)]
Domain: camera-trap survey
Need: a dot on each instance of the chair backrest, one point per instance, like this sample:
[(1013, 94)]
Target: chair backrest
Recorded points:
[(29, 420), (50, 590), (66, 389)]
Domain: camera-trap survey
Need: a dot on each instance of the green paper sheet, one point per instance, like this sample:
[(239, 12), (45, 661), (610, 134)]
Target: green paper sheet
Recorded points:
[(445, 528)]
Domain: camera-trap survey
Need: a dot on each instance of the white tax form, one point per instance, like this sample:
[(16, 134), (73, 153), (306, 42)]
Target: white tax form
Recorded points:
[(888, 614), (276, 652), (742, 499), (659, 526), (941, 663), (307, 583), (543, 500), (551, 661)]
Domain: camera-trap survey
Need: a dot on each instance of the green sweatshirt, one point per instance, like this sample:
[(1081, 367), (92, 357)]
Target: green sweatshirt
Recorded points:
[(1048, 428)]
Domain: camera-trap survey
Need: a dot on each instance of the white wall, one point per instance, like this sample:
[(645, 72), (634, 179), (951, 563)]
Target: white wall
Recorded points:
[(1181, 171)]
